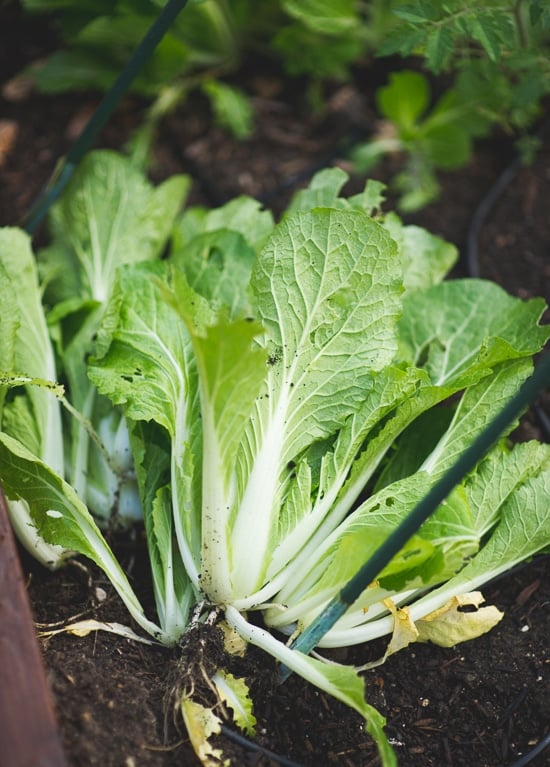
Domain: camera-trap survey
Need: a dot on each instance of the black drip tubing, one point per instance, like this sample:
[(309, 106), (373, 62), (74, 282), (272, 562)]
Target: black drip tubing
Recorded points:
[(249, 745)]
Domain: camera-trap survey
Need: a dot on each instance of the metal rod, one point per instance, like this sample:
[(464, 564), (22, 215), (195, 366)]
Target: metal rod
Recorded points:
[(316, 630)]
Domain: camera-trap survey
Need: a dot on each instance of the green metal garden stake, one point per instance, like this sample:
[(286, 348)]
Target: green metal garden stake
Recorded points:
[(334, 610)]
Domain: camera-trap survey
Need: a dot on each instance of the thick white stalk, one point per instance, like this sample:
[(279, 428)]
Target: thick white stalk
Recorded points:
[(252, 531), (216, 507)]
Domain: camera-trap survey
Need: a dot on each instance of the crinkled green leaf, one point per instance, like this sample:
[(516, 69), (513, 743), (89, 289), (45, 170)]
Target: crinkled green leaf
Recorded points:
[(235, 693), (218, 266), (27, 347), (478, 406), (30, 413), (143, 360), (243, 215), (498, 476), (426, 258), (319, 283), (109, 214), (322, 192), (458, 330), (522, 530), (145, 365)]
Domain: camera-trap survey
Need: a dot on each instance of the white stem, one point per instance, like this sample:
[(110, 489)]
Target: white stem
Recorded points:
[(216, 506), (253, 527)]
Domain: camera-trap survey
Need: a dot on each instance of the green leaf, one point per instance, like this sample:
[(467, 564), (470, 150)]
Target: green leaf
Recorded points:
[(232, 107), (498, 476), (152, 460), (439, 46), (331, 267), (484, 30), (242, 215), (235, 694), (427, 259), (143, 357), (231, 373), (62, 519), (331, 17), (345, 550), (458, 330), (218, 266), (174, 597), (522, 530), (27, 350), (478, 406), (14, 246), (404, 99), (417, 13), (99, 224), (404, 40), (145, 365), (322, 192)]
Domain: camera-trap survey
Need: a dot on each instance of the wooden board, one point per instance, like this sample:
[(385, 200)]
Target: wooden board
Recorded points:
[(28, 730)]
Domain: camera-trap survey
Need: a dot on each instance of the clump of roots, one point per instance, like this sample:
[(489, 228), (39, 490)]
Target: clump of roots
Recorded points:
[(201, 654)]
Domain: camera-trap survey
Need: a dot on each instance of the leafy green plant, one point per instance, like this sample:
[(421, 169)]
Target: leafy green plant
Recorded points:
[(507, 38), (498, 54), (429, 137), (291, 391), (205, 44), (77, 271)]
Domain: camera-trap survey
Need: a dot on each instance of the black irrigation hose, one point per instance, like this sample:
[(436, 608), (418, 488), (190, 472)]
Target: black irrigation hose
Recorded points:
[(487, 203), (472, 241), (251, 746), (67, 165), (483, 210), (530, 755)]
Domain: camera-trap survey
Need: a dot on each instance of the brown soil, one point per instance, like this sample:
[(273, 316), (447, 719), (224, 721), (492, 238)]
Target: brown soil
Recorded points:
[(481, 704)]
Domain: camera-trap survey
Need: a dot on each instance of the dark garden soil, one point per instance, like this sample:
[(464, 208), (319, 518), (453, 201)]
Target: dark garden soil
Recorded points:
[(481, 704)]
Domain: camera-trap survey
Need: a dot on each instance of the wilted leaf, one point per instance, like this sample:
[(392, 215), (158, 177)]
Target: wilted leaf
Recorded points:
[(201, 724), (449, 626)]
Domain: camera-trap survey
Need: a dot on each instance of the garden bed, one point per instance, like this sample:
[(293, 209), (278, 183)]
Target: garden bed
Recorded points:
[(481, 703)]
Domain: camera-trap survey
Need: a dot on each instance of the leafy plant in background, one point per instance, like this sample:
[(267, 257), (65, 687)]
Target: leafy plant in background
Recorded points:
[(498, 54), (429, 137), (291, 391), (500, 49), (206, 43)]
